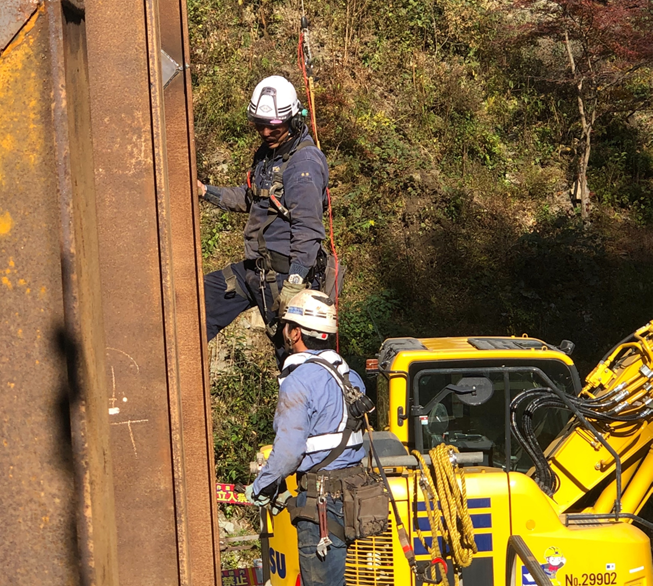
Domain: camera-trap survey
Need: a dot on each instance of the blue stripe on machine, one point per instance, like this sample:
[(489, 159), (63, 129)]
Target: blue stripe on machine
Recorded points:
[(480, 521), (478, 503), (483, 542), (484, 503)]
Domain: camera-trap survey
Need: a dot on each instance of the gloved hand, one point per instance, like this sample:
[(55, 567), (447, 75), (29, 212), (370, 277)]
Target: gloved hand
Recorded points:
[(288, 291), (279, 502), (259, 500)]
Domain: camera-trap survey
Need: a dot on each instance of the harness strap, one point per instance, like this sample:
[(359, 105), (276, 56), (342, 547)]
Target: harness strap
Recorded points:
[(335, 452), (275, 209), (351, 424), (233, 286)]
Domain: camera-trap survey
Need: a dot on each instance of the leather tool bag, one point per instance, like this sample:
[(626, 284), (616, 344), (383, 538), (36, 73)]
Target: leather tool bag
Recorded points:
[(365, 506)]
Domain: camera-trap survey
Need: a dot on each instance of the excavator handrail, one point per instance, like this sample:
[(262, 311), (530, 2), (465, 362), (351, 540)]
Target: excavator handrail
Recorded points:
[(517, 547), (579, 518)]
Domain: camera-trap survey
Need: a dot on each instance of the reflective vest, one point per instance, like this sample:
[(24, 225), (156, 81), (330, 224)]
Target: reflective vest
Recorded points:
[(326, 441)]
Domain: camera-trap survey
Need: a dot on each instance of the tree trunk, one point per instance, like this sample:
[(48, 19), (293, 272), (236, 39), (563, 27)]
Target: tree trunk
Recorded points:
[(582, 176), (586, 138)]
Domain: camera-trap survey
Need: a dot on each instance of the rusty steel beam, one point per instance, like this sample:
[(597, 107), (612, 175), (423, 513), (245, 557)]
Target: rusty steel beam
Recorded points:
[(187, 259), (151, 275), (57, 516)]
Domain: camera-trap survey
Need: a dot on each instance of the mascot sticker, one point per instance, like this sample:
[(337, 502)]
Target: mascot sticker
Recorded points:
[(554, 561)]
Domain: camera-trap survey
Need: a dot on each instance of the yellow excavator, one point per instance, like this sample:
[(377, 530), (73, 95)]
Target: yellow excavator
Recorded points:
[(553, 474)]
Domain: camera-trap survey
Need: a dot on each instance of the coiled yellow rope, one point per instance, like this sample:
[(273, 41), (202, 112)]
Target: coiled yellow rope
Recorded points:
[(457, 530)]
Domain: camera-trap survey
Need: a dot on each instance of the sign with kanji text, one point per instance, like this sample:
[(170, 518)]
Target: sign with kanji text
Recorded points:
[(239, 577), (226, 493)]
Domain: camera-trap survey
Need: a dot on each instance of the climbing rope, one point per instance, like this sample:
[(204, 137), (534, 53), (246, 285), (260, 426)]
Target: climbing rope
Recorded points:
[(452, 521), (304, 61)]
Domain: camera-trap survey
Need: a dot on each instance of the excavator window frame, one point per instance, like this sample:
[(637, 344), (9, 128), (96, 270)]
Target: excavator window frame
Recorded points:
[(466, 367)]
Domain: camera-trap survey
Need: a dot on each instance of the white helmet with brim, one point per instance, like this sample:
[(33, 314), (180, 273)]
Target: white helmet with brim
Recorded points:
[(274, 101), (314, 312)]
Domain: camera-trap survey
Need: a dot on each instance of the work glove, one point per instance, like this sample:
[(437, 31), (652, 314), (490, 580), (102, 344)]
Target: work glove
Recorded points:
[(279, 502), (288, 291), (260, 500)]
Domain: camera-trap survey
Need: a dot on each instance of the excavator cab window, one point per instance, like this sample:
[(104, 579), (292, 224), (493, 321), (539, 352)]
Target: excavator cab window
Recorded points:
[(467, 406)]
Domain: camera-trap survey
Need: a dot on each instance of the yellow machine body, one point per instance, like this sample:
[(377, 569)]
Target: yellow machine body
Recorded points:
[(501, 500)]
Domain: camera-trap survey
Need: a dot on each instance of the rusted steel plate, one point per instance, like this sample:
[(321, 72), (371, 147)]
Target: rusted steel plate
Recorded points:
[(186, 253), (36, 465), (13, 16), (57, 513)]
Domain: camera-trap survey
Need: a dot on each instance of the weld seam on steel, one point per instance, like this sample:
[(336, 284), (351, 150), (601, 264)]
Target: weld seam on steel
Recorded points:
[(167, 285), (28, 18)]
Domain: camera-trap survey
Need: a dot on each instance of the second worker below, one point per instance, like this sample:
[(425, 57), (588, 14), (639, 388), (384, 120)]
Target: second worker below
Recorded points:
[(285, 197)]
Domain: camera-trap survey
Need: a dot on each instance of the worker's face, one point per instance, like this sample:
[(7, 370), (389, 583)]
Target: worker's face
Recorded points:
[(273, 136)]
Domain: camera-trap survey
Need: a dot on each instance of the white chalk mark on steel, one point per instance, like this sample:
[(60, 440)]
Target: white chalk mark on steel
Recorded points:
[(113, 410), (128, 356), (128, 423)]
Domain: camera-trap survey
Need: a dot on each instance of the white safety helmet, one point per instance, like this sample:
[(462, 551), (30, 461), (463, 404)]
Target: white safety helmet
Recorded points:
[(274, 101), (314, 312)]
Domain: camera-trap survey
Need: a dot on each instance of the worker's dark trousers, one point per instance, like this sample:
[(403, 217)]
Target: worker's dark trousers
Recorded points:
[(222, 309), (331, 570)]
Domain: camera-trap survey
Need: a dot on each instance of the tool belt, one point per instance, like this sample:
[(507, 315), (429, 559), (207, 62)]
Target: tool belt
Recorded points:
[(277, 262), (365, 502)]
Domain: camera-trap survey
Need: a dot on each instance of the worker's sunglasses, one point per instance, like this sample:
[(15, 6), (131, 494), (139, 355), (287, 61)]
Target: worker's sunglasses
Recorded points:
[(260, 126)]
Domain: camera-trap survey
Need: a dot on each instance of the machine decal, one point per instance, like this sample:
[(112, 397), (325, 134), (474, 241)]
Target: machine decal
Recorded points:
[(484, 503), (591, 579), (482, 521), (479, 520), (554, 561), (610, 567), (278, 563)]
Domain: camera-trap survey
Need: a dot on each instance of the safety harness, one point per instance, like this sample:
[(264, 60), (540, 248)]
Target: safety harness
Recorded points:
[(270, 263), (348, 434)]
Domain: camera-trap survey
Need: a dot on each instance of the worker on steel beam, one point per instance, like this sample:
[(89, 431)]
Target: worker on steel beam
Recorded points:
[(318, 436), (285, 197)]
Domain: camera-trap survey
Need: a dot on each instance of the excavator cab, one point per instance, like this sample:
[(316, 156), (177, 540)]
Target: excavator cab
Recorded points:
[(468, 406), (458, 391)]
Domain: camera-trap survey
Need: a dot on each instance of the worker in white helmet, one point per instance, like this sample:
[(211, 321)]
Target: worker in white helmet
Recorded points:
[(285, 197), (316, 436)]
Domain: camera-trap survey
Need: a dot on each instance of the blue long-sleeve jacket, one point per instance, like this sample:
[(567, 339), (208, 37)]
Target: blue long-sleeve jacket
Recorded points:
[(310, 405), (305, 181)]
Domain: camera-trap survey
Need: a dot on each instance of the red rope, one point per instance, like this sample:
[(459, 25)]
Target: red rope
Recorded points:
[(301, 60)]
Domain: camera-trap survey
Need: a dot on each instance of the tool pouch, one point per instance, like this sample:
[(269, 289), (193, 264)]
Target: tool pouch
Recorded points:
[(333, 269), (365, 506), (305, 513), (325, 270)]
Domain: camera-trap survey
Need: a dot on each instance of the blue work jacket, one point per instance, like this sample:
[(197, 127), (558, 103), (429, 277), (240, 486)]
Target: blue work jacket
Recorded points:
[(305, 181), (310, 408)]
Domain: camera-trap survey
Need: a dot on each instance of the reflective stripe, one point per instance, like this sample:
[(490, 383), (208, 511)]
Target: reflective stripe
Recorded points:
[(329, 441)]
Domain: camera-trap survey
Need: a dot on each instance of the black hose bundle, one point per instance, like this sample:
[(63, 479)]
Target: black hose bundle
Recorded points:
[(600, 410), (618, 390)]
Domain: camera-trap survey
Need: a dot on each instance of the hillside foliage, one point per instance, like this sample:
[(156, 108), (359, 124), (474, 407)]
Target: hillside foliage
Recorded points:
[(453, 152)]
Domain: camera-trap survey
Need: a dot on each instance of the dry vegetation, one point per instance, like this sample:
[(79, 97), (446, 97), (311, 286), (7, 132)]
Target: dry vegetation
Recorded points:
[(451, 155)]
